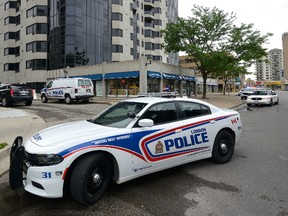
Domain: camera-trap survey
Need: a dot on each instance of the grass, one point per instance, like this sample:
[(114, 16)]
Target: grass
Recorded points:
[(3, 145)]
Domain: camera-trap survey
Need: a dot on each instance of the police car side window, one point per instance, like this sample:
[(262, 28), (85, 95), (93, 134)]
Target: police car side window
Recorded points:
[(161, 113), (191, 110), (49, 84)]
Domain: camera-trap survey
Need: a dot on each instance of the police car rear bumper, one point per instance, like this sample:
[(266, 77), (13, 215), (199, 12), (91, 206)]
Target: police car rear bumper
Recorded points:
[(42, 181), (80, 97)]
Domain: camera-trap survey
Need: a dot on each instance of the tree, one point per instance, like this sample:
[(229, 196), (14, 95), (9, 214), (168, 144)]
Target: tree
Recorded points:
[(210, 36)]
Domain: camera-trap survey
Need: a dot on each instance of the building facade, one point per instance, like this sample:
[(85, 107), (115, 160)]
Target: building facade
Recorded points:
[(285, 57), (128, 78), (271, 67), (41, 36)]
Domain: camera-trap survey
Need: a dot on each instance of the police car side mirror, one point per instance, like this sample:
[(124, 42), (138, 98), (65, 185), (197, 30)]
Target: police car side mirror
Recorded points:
[(146, 123)]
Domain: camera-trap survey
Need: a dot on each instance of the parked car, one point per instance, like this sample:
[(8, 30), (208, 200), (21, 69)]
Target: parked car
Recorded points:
[(130, 139), (263, 97), (15, 93), (240, 92), (246, 92), (68, 89)]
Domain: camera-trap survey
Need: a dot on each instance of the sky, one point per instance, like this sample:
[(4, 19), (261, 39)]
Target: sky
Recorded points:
[(266, 15)]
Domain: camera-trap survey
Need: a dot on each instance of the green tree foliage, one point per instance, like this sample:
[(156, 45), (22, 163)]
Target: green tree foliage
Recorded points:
[(220, 47)]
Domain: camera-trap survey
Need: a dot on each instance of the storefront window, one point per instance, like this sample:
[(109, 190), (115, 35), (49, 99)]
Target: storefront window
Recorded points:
[(122, 87), (153, 85)]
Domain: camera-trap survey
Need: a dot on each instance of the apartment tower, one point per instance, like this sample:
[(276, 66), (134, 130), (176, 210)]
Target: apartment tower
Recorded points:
[(285, 54)]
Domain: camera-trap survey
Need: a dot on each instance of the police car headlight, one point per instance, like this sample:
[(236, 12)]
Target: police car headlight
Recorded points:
[(45, 159)]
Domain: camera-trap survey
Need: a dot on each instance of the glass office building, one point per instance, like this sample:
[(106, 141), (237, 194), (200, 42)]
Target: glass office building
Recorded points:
[(79, 33)]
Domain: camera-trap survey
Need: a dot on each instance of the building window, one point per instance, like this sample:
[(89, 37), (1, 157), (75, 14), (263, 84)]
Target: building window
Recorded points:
[(10, 20), (117, 16), (11, 67), (157, 10), (118, 2), (10, 4), (117, 48), (157, 46), (117, 32), (37, 46), (157, 34), (157, 22), (37, 28), (157, 58), (149, 46), (38, 10), (10, 35), (9, 51), (149, 33), (36, 64), (18, 20)]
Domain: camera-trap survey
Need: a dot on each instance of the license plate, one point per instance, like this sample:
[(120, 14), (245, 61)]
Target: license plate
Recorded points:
[(88, 90), (256, 102), (23, 92)]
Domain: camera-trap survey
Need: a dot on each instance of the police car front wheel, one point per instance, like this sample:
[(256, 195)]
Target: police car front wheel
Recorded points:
[(223, 147), (90, 178)]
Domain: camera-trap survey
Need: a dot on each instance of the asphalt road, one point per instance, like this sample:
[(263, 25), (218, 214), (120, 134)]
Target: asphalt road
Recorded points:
[(254, 182)]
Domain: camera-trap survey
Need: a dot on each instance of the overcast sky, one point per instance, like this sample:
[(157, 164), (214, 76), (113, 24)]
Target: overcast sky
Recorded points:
[(266, 15)]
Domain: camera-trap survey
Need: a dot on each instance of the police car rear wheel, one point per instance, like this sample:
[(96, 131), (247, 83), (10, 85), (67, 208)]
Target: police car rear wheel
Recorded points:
[(90, 178), (68, 99), (223, 148)]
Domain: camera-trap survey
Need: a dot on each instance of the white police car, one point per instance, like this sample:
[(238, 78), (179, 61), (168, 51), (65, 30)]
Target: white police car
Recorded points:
[(133, 138)]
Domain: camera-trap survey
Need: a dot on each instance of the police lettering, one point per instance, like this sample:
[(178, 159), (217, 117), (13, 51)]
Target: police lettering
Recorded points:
[(182, 142)]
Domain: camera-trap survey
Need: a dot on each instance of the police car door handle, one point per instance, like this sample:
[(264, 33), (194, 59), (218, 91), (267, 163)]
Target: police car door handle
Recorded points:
[(178, 130), (212, 121)]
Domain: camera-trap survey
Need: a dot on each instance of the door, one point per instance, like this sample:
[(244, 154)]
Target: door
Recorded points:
[(197, 134), (157, 145)]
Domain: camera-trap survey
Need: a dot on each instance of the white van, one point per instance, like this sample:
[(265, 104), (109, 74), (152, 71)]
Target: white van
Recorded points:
[(68, 89)]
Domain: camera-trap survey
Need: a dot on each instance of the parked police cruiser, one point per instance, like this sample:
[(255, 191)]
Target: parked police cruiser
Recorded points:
[(133, 138)]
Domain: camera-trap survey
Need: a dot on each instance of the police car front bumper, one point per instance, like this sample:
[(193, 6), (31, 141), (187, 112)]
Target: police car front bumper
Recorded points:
[(44, 181)]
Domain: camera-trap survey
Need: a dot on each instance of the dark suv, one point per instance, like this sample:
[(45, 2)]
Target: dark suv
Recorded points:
[(14, 93)]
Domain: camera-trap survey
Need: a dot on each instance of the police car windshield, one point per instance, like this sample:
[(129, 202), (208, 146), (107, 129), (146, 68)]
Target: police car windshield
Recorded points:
[(119, 115)]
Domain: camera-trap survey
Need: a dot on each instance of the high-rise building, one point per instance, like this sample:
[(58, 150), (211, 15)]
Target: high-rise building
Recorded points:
[(37, 36), (270, 67), (285, 54)]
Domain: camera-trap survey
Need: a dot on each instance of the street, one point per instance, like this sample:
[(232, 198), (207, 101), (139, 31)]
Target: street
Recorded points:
[(253, 183)]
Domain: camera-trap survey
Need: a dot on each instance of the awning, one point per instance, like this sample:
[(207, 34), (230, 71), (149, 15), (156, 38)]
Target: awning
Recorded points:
[(153, 75), (188, 78), (238, 81), (97, 77), (121, 75), (172, 76)]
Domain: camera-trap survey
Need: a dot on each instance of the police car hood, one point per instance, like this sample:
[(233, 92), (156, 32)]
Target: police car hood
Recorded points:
[(76, 132)]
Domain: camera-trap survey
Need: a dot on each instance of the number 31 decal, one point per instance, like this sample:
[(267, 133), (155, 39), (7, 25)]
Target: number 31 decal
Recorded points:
[(46, 174)]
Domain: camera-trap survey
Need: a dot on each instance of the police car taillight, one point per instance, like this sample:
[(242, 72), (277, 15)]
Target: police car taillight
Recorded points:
[(11, 92)]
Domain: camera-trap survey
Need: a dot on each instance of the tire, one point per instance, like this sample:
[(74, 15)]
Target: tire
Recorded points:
[(44, 98), (5, 102), (28, 103), (277, 102), (271, 103), (223, 147), (68, 99), (84, 187)]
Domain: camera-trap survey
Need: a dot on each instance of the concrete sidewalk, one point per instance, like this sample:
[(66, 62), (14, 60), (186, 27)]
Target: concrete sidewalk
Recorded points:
[(15, 122)]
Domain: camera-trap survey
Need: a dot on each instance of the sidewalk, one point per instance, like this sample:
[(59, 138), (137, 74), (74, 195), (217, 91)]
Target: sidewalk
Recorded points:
[(15, 122)]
